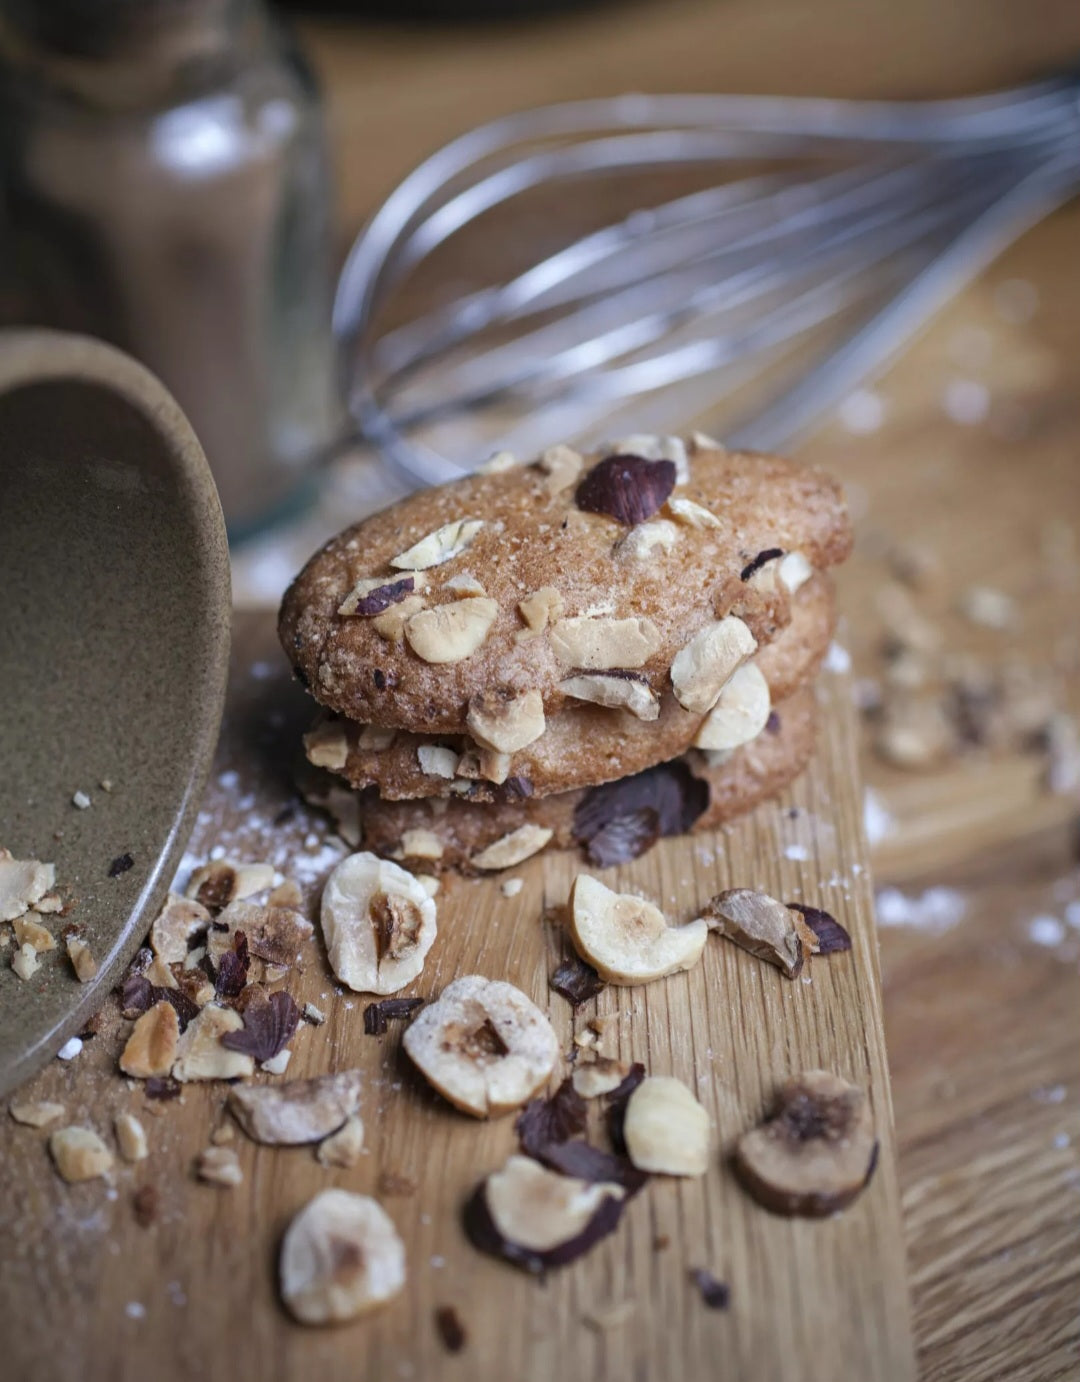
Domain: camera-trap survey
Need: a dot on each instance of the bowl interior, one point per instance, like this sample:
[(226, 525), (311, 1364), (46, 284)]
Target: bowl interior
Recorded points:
[(114, 625)]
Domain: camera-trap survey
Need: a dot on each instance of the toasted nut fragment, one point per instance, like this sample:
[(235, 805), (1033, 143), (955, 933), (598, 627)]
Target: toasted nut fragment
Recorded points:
[(499, 462), (701, 441), (32, 933), (441, 546), (421, 844), (666, 1129), (25, 961), (342, 1148), (222, 881), (600, 1076), (130, 1137), (437, 761), (539, 610), (561, 466), (378, 923), (341, 1257), (152, 1046), (599, 644), (22, 883), (374, 594), (537, 1218), (499, 720), (158, 973), (288, 893), (275, 936), (740, 713), (391, 623), (511, 849), (760, 924), (465, 584), (483, 1045), (643, 537), (618, 692), (700, 670), (200, 1054), (375, 738), (451, 632), (815, 1152), (49, 903), (79, 1154), (219, 1166), (37, 1114), (327, 746), (693, 515), (82, 961), (176, 928), (626, 939), (298, 1112), (277, 1065)]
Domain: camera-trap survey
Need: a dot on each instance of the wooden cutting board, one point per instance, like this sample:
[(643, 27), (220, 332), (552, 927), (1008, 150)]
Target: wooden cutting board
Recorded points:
[(193, 1294)]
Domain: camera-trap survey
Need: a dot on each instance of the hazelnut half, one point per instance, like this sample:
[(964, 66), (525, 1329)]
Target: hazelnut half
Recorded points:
[(341, 1257), (378, 923), (626, 939), (483, 1045), (740, 713), (450, 632), (815, 1153), (665, 1128), (506, 722), (701, 668)]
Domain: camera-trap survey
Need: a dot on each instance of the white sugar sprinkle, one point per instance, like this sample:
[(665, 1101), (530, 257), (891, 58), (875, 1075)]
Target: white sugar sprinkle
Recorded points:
[(862, 412), (935, 910), (81, 800), (135, 1310), (1072, 914), (1046, 930), (796, 852), (966, 401), (70, 1049), (838, 659), (878, 820)]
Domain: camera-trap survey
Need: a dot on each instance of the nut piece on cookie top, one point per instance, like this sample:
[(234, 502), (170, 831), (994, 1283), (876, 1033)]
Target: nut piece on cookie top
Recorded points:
[(380, 651)]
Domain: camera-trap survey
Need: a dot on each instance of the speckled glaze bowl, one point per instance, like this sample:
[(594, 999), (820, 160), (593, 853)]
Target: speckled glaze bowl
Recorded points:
[(114, 636)]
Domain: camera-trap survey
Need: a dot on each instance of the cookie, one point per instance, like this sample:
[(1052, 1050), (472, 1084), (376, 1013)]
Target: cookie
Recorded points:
[(582, 744), (514, 583), (611, 823)]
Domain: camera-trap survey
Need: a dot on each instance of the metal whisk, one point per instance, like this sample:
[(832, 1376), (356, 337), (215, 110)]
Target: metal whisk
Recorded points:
[(827, 232)]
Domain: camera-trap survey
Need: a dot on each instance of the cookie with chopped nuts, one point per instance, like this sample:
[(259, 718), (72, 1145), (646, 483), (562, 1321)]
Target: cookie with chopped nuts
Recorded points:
[(610, 822), (513, 582), (585, 743)]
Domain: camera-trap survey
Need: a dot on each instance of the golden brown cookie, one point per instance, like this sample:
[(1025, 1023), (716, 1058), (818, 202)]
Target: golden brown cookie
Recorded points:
[(611, 823), (510, 583), (582, 744)]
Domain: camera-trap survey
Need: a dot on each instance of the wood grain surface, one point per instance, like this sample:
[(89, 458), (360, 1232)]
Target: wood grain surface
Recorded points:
[(810, 1300)]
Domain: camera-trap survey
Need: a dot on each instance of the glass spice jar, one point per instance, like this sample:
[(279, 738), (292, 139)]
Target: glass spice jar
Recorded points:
[(164, 185)]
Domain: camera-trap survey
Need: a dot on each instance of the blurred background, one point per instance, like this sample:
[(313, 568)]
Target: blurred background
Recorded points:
[(186, 178)]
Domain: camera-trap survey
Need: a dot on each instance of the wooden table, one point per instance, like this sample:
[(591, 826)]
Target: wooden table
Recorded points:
[(981, 1021)]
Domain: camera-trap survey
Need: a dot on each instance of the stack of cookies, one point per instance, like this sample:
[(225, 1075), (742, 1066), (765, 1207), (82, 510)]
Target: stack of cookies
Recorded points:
[(584, 651)]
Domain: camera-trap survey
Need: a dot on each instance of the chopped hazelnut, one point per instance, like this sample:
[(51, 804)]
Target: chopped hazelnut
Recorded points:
[(219, 1166), (665, 1129), (511, 849), (601, 644), (505, 722), (341, 1257), (626, 939), (441, 546), (378, 923), (702, 667), (130, 1137), (152, 1046), (451, 632), (79, 1154)]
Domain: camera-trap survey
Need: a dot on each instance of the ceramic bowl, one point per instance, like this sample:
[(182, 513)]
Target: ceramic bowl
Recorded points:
[(114, 635)]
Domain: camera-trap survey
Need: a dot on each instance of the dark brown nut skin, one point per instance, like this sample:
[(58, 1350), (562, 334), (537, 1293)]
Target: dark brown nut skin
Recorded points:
[(482, 1233)]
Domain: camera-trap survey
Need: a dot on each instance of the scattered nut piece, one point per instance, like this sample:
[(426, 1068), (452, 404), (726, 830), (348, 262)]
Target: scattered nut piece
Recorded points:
[(375, 738), (275, 937), (130, 1137), (343, 806), (541, 608), (441, 546), (536, 1218), (702, 667), (498, 463), (200, 1054), (314, 1015), (693, 515), (465, 584), (505, 722), (561, 466), (815, 1152), (740, 713), (79, 1154), (176, 929), (511, 849), (450, 632), (37, 1114), (298, 1112), (760, 924), (601, 644), (25, 962), (341, 1257), (342, 1148), (287, 894), (32, 933), (626, 939), (219, 1166), (599, 1076), (643, 537), (437, 761), (22, 883), (277, 1064), (421, 844), (153, 1044), (378, 923), (665, 1129), (82, 961), (375, 594), (391, 623), (327, 745), (618, 691), (483, 1045), (224, 881), (51, 902), (510, 887)]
